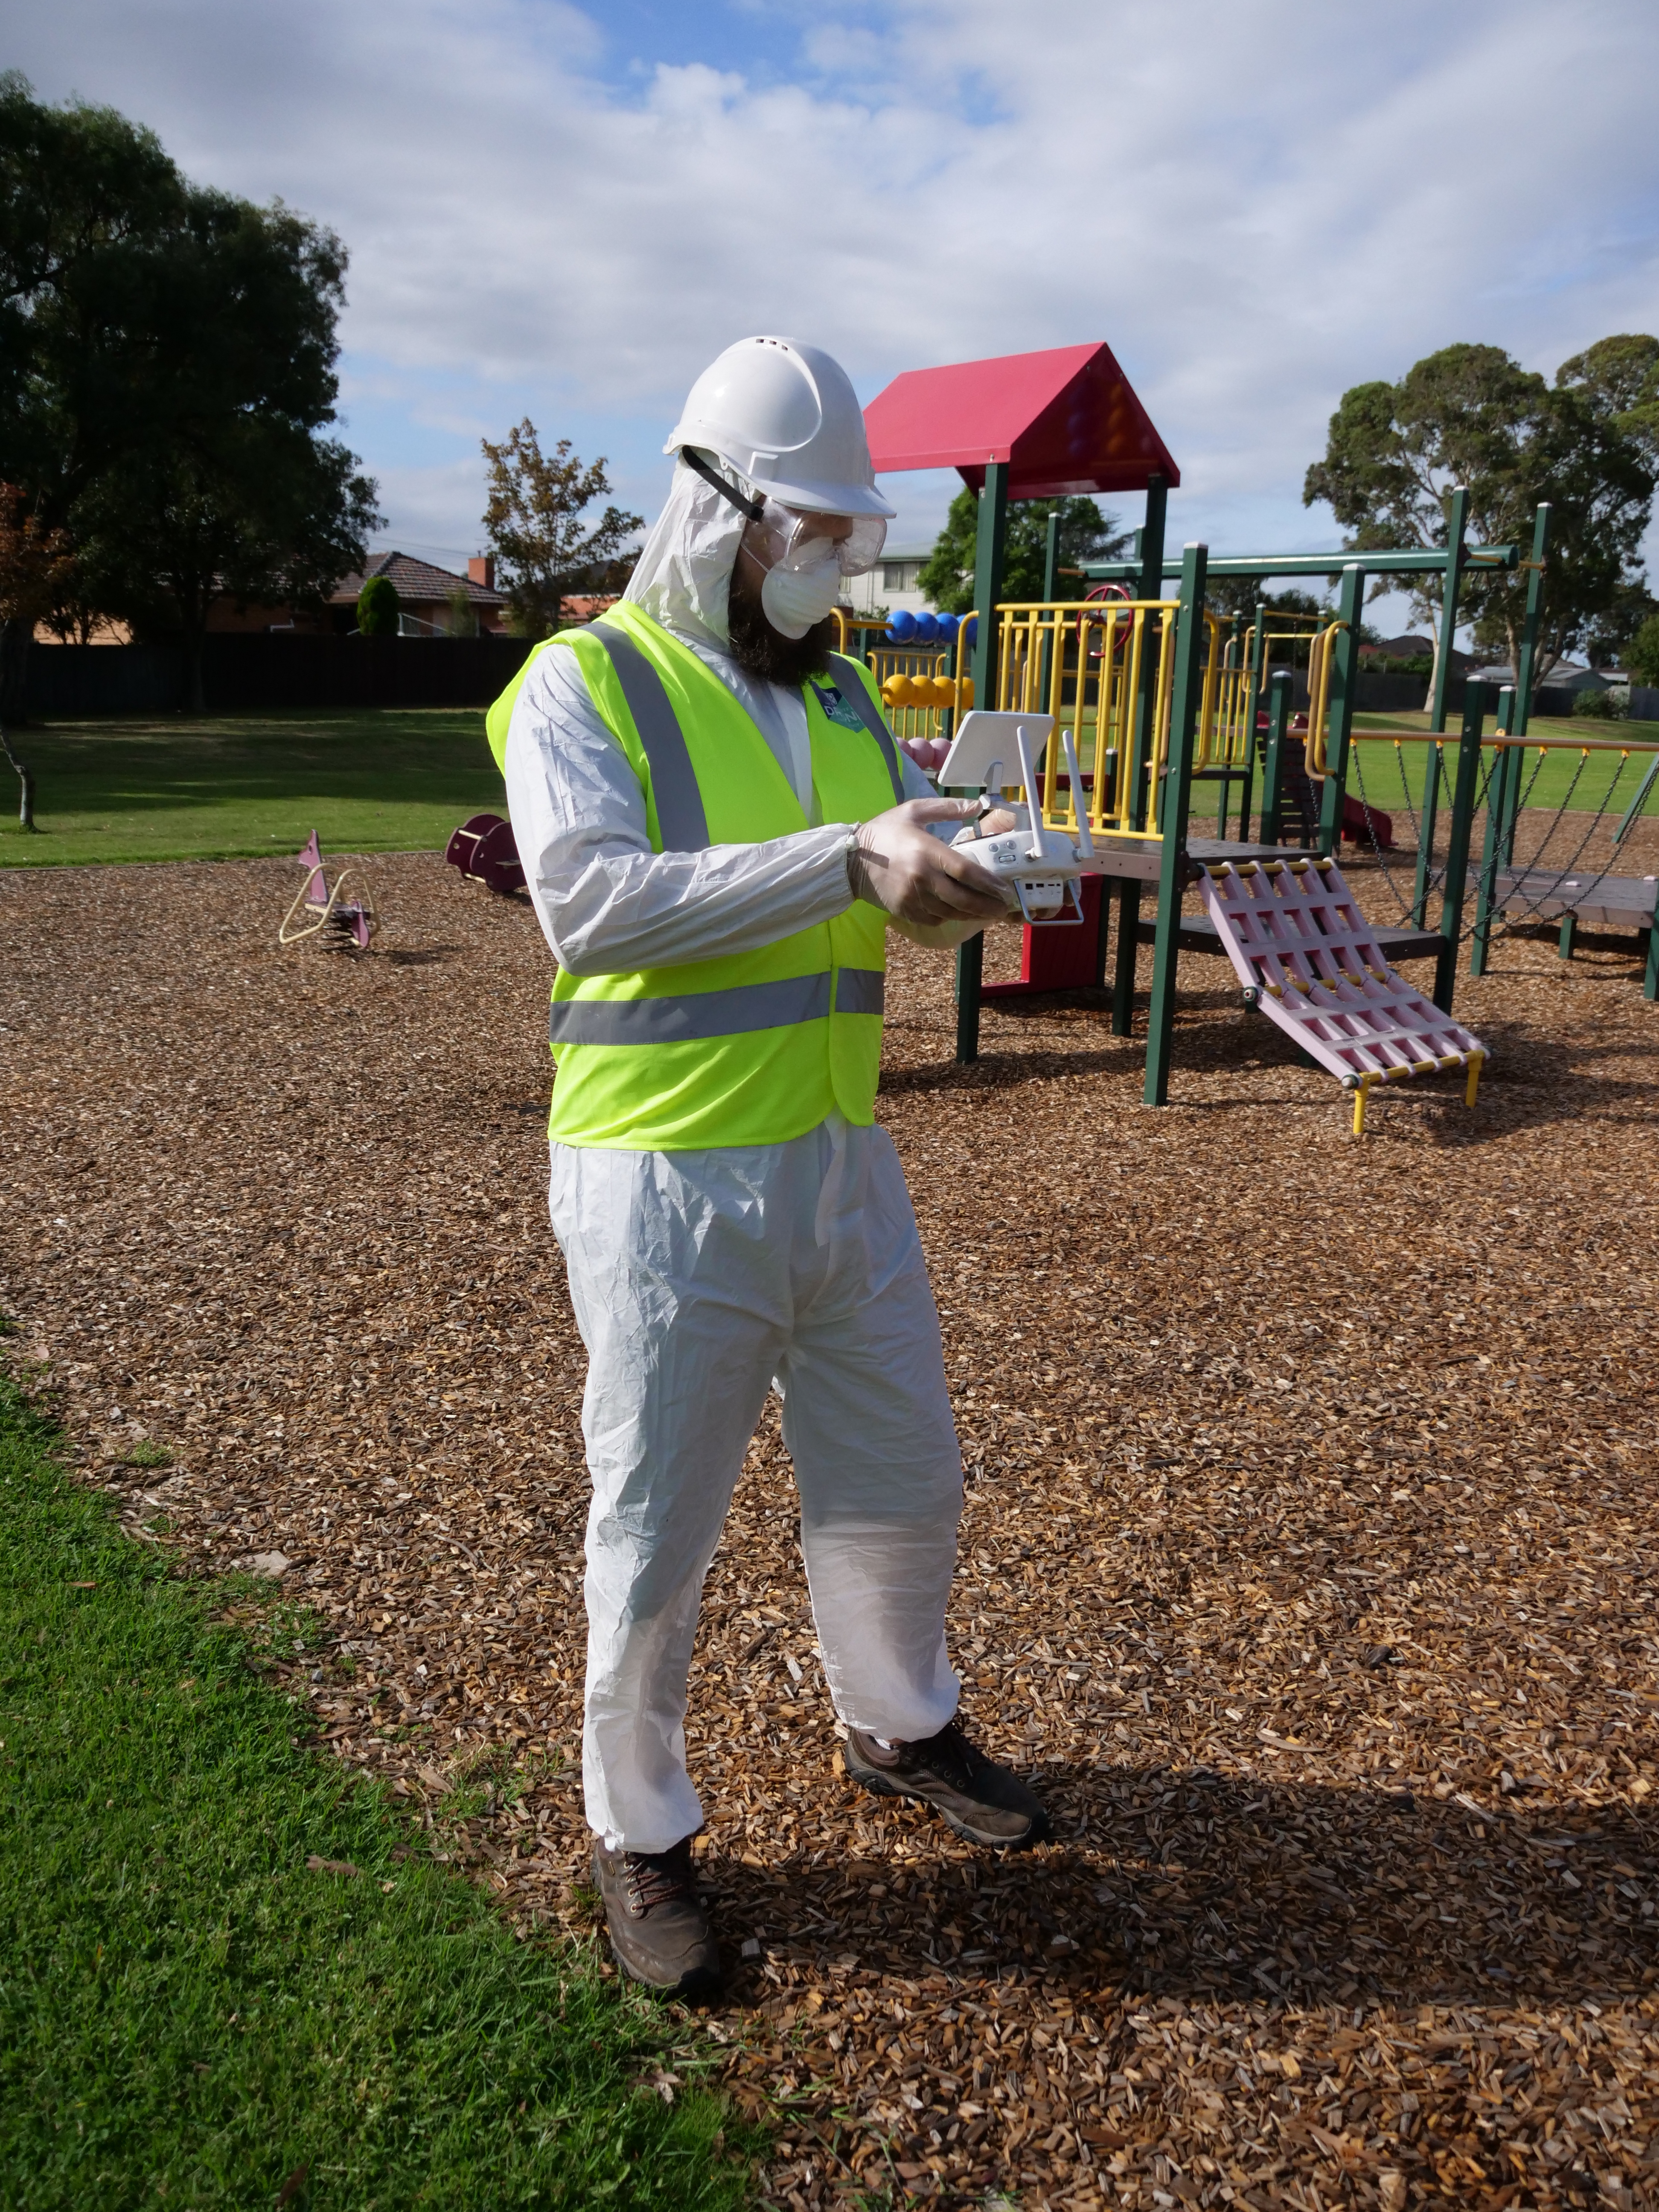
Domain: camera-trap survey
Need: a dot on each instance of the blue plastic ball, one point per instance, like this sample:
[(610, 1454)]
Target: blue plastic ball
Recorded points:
[(926, 628), (948, 627), (902, 625)]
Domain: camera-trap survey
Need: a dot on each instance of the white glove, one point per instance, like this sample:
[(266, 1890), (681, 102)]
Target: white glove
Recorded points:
[(894, 864)]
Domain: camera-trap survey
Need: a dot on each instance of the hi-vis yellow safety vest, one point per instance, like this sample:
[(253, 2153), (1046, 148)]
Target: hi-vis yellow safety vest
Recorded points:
[(753, 1048)]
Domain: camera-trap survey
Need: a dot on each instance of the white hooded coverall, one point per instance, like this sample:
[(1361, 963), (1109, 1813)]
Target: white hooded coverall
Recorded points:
[(700, 1279)]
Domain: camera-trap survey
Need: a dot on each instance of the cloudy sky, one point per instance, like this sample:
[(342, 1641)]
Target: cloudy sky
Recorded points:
[(566, 210)]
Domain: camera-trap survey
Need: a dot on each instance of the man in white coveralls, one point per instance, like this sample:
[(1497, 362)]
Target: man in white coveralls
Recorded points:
[(717, 831)]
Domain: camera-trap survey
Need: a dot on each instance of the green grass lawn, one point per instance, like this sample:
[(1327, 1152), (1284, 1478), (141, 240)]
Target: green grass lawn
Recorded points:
[(374, 780), (398, 779), (1602, 778), (190, 2016)]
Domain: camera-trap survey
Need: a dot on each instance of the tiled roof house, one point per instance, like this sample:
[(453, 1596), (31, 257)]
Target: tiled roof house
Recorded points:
[(428, 596)]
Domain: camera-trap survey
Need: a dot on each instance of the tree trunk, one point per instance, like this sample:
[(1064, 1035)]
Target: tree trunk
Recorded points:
[(26, 781), (16, 638), (1434, 670), (1512, 638)]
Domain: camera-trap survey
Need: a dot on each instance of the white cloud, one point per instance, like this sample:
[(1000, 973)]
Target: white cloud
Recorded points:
[(1256, 206)]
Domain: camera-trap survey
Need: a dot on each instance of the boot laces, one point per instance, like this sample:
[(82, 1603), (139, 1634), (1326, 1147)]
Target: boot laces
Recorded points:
[(658, 1877), (950, 1756)]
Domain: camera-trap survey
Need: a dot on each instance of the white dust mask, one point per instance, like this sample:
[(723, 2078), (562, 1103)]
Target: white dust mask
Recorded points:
[(794, 598)]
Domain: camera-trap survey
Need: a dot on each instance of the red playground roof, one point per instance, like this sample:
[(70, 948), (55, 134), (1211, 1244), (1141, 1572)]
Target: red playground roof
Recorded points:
[(1067, 421)]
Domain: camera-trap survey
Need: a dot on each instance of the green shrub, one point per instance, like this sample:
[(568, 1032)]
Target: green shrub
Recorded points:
[(1641, 655), (1601, 706), (378, 608)]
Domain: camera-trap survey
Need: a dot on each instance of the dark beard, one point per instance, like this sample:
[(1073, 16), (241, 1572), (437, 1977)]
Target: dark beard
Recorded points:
[(759, 650)]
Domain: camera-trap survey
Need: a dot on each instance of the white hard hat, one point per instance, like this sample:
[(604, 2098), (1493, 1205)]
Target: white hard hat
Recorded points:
[(784, 415)]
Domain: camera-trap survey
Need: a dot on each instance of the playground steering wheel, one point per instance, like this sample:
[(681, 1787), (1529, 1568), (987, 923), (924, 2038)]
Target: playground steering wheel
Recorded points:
[(1104, 591)]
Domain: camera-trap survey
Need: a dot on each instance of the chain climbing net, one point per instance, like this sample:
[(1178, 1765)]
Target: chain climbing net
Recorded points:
[(1524, 900)]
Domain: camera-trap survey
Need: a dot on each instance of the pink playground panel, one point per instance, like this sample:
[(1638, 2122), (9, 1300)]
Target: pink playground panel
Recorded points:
[(320, 905), (1309, 960)]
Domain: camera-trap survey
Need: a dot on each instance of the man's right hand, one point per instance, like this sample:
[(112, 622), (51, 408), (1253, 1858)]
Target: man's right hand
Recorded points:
[(895, 865)]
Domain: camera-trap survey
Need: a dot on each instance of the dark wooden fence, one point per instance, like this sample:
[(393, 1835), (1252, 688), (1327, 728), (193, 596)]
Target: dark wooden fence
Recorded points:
[(251, 670), (264, 670)]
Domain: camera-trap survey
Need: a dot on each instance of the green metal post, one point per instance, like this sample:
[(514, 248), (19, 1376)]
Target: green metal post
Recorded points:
[(1567, 937), (1133, 760), (970, 970), (1128, 943), (1541, 533), (1148, 586), (1491, 857), (1651, 980), (1515, 761), (1427, 820), (1465, 784), (1173, 811), (1281, 696), (1457, 524), (1102, 931), (990, 548), (1339, 728)]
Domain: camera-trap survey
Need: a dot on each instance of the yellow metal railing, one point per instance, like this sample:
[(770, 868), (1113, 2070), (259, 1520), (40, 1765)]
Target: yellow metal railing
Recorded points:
[(1086, 663), (1319, 640), (1322, 659), (921, 689)]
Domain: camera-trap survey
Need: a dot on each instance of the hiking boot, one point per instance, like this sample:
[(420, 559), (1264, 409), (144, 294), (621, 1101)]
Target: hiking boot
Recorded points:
[(658, 1930), (978, 1799)]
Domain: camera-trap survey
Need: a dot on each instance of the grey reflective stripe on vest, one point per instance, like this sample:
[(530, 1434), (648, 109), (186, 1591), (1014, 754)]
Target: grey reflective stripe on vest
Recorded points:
[(736, 1012), (860, 991), (850, 685), (680, 816)]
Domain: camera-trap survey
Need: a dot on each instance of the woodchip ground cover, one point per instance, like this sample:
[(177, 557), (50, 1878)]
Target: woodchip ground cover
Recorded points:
[(1307, 1563)]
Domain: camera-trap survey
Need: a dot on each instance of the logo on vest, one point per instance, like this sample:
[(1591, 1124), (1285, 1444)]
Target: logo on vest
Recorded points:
[(830, 698)]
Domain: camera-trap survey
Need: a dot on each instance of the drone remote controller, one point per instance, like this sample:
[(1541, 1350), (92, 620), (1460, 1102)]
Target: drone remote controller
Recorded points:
[(1042, 868)]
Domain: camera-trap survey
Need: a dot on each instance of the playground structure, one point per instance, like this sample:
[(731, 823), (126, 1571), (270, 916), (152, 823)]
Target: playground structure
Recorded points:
[(1306, 955), (1508, 893), (1157, 694), (321, 906), (484, 849)]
